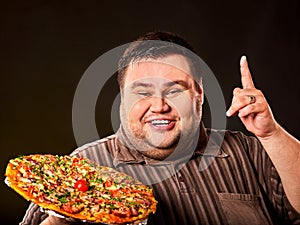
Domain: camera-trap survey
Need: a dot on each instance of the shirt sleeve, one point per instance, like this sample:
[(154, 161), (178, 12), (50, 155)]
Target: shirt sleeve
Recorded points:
[(270, 181), (33, 215)]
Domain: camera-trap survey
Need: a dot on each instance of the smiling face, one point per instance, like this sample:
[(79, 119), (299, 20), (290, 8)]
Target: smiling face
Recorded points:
[(161, 103)]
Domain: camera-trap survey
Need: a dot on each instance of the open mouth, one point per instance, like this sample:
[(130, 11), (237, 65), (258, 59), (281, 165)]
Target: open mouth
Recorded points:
[(160, 123)]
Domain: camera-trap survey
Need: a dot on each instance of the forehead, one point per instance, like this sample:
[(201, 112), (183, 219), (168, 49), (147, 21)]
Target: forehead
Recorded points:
[(172, 68)]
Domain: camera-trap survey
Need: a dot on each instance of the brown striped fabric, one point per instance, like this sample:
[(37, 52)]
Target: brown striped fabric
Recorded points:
[(234, 184)]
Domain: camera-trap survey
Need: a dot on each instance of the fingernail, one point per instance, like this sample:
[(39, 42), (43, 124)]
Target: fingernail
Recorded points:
[(243, 58), (228, 113)]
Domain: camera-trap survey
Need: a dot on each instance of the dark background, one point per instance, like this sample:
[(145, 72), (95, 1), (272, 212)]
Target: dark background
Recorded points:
[(47, 45)]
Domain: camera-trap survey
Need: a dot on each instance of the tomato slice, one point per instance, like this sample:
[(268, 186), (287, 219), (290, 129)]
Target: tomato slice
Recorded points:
[(81, 185), (108, 183)]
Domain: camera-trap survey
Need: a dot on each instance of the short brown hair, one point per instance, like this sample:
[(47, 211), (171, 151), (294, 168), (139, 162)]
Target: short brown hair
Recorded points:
[(155, 45)]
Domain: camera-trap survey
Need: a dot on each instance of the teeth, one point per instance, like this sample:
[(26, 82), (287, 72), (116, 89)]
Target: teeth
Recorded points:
[(160, 122)]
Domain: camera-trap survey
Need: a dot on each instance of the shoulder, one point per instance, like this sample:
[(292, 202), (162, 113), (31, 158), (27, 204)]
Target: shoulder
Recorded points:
[(238, 144), (95, 144), (235, 139), (100, 151), (246, 148)]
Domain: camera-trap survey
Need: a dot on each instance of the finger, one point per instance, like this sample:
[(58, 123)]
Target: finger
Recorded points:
[(250, 109), (246, 77), (237, 91), (238, 103)]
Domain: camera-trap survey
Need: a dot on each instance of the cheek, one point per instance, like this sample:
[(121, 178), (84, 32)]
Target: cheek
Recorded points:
[(184, 106), (136, 110)]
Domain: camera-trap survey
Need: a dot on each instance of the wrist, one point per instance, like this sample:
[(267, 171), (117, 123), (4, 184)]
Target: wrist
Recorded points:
[(273, 134)]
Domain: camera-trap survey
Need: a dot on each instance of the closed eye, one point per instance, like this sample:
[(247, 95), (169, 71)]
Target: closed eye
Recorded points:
[(173, 92), (144, 93)]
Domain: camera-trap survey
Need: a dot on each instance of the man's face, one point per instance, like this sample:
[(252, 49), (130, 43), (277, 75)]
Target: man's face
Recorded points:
[(160, 101)]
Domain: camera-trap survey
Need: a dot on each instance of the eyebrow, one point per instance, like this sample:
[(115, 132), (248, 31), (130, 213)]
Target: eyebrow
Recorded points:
[(141, 84), (182, 83), (177, 82)]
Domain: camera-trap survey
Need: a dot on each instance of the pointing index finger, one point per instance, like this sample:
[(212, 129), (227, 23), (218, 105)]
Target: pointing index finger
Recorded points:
[(246, 77)]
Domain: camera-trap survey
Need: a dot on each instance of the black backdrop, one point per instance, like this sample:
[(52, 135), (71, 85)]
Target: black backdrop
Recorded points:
[(47, 45)]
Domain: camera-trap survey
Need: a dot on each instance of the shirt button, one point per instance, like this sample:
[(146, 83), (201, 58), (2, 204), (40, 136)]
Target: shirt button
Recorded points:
[(181, 179)]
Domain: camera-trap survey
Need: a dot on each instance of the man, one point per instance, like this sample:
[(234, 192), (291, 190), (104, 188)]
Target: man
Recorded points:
[(162, 142)]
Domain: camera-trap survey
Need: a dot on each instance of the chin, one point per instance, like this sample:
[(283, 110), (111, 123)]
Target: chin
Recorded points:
[(163, 143)]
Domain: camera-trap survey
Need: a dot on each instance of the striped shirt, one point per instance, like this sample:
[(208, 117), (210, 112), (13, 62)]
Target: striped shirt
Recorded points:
[(232, 184)]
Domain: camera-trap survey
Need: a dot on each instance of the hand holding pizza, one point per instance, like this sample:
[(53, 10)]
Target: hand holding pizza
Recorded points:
[(251, 106)]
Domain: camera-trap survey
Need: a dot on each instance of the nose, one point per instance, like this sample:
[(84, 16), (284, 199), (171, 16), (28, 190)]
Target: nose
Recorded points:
[(159, 105)]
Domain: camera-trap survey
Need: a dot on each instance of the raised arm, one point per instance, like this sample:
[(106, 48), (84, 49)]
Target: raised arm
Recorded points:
[(251, 106)]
